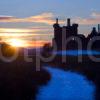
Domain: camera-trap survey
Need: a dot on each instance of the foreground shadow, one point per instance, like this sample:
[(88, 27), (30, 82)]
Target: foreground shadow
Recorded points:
[(20, 81)]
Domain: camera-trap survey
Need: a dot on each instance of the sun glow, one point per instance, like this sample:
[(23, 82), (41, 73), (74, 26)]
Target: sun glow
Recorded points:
[(25, 38), (16, 42)]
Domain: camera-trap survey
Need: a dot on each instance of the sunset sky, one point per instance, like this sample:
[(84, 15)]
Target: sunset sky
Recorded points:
[(34, 18)]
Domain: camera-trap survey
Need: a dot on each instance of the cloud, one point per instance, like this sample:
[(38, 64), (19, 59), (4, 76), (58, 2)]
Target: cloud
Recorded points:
[(87, 21), (95, 15), (92, 20), (46, 18), (6, 17)]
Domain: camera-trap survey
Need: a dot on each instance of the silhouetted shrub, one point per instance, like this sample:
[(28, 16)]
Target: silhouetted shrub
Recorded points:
[(8, 50)]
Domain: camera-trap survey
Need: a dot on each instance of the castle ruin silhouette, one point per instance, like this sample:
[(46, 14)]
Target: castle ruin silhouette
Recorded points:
[(71, 30)]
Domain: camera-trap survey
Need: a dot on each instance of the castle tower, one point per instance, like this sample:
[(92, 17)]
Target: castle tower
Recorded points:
[(68, 22), (75, 29), (56, 20), (94, 30), (98, 28), (57, 34), (56, 25)]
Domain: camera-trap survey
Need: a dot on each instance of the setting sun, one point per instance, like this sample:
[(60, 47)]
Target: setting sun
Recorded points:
[(16, 42)]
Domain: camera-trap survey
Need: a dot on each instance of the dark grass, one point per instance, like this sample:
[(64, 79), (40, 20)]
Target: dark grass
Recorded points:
[(20, 81)]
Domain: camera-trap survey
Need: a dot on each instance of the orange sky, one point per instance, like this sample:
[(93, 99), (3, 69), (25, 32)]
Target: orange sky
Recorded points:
[(28, 36)]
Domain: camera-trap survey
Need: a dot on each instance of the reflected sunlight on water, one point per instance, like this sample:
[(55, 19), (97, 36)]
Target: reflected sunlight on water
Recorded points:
[(66, 86)]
